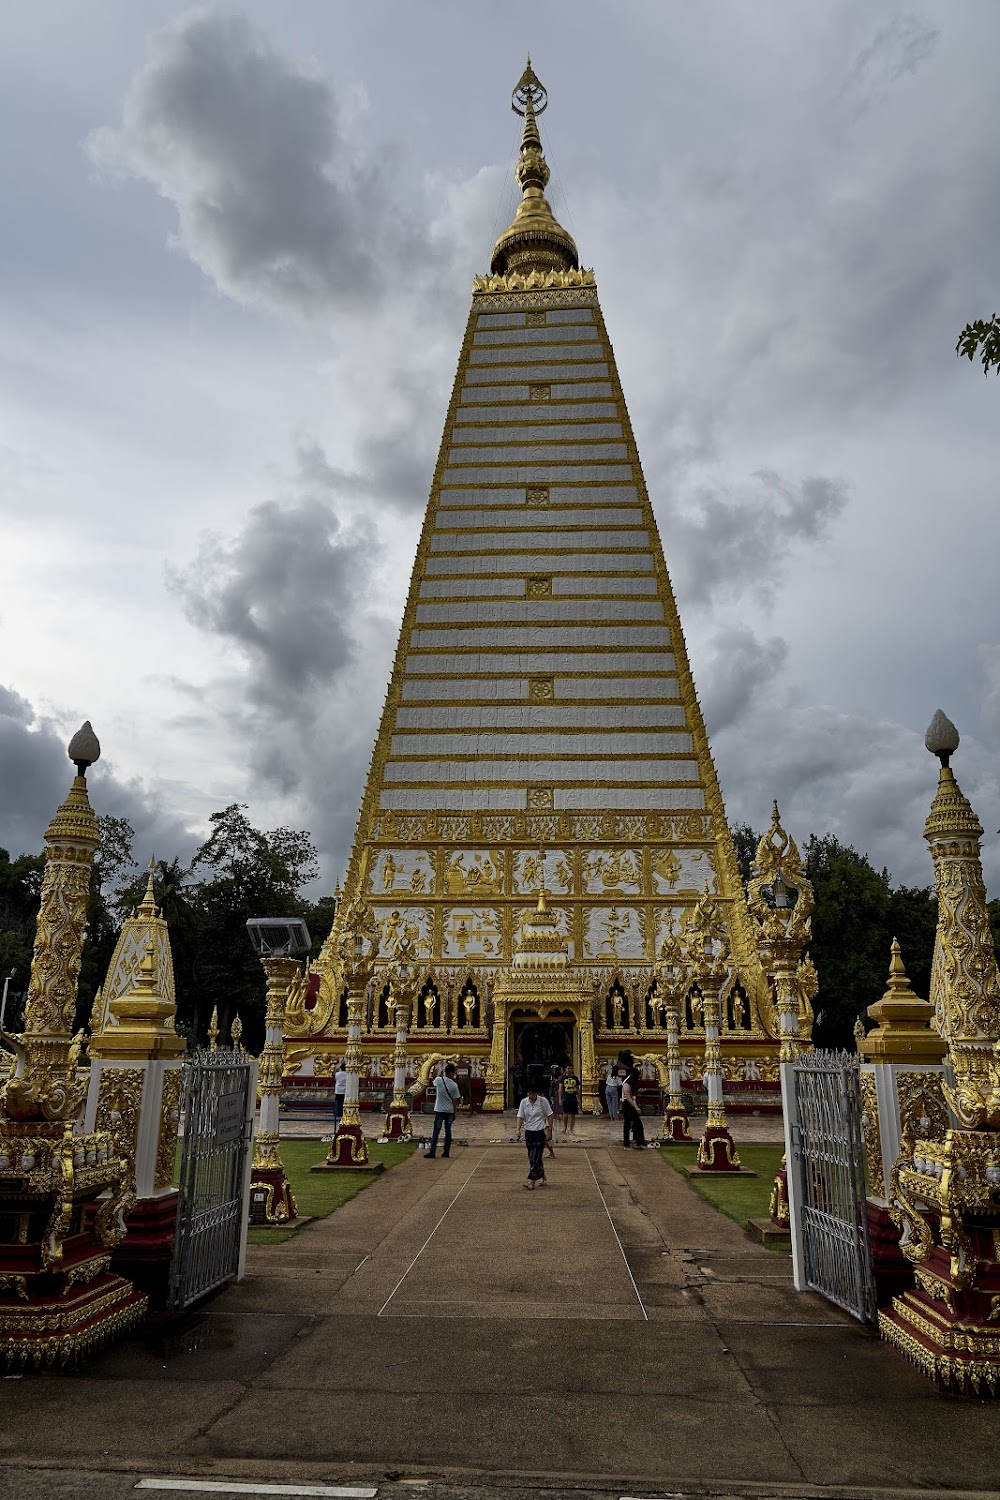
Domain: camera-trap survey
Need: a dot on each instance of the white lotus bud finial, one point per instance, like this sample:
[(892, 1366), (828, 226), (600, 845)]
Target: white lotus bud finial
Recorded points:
[(942, 738), (84, 748)]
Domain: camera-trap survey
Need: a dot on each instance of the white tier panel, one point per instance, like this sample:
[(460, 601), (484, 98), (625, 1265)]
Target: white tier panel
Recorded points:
[(568, 517), (515, 588), (658, 685), (530, 452), (634, 799), (558, 334), (522, 374), (459, 690), (453, 799), (491, 663), (512, 636), (540, 473), (666, 716), (513, 540), (518, 319), (559, 495), (549, 562), (530, 412), (505, 769), (580, 390), (515, 431), (508, 611), (534, 741), (530, 354)]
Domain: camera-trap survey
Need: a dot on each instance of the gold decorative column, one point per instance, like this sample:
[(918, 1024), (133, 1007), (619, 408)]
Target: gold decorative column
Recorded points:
[(707, 945), (58, 1296), (357, 948), (944, 1194), (136, 1063), (268, 1170), (901, 1093), (403, 980), (670, 977), (781, 900)]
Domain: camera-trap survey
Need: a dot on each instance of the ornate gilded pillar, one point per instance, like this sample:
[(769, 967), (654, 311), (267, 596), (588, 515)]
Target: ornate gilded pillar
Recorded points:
[(403, 981), (945, 1194), (902, 1073), (136, 1066), (496, 1081), (58, 1296), (707, 944), (268, 1170), (591, 1102), (670, 977), (357, 950)]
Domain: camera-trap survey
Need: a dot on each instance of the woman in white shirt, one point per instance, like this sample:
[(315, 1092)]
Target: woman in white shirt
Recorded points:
[(534, 1118)]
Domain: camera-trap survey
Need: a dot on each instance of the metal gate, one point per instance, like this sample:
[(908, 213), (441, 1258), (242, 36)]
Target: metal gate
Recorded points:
[(211, 1206), (830, 1177)]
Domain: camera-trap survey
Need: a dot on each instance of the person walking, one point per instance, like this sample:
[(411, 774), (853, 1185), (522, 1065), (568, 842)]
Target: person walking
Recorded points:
[(555, 1090), (570, 1095), (611, 1086), (446, 1096), (631, 1118), (534, 1119), (339, 1091)]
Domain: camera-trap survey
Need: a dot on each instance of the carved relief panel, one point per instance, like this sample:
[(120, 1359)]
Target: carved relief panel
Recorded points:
[(472, 932), (555, 865), (415, 922), (612, 872), (615, 932), (677, 870), (473, 872), (409, 870)]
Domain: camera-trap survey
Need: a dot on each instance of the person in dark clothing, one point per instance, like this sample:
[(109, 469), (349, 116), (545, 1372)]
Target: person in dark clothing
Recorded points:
[(631, 1118), (570, 1094)]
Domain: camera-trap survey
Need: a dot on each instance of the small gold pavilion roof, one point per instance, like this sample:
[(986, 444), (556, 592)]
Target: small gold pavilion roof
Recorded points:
[(535, 241), (905, 1030)]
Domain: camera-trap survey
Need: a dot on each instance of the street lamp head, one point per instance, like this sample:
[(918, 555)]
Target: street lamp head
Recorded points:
[(279, 937), (84, 748), (942, 738), (782, 893)]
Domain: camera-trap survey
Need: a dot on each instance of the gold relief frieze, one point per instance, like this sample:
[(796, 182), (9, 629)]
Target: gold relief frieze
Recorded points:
[(119, 1103), (680, 828), (922, 1110), (534, 868), (612, 872), (872, 1135), (614, 932), (401, 870), (396, 923), (166, 1146), (473, 872), (472, 932)]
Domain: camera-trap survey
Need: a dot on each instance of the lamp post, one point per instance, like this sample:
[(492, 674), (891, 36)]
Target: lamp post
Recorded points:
[(356, 947), (708, 955), (670, 976), (780, 899), (279, 943), (403, 984)]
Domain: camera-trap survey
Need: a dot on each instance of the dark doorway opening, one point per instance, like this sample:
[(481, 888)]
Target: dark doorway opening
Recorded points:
[(536, 1048)]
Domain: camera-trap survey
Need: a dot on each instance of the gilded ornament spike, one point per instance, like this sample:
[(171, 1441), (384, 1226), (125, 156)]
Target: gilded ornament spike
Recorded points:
[(213, 1028)]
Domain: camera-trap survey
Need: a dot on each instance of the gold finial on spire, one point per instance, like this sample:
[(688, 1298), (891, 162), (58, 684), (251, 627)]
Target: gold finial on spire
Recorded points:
[(213, 1028), (535, 241), (147, 907)]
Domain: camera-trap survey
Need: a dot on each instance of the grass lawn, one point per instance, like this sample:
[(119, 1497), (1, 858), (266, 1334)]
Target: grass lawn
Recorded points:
[(318, 1194), (740, 1198)]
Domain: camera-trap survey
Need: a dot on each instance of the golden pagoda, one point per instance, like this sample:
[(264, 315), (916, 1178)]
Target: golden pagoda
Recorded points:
[(541, 731)]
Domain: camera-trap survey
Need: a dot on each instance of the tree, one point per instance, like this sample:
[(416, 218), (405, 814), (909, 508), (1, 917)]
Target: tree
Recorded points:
[(745, 842), (20, 893), (254, 874), (982, 339)]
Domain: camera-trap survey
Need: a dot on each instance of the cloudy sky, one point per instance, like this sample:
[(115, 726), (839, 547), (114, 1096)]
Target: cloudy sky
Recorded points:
[(236, 266)]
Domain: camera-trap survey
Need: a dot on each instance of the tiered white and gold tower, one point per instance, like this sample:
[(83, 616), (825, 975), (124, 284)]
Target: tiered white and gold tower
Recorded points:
[(541, 728)]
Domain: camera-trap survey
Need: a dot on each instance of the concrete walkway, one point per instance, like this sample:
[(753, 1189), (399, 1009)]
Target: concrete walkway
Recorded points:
[(609, 1330)]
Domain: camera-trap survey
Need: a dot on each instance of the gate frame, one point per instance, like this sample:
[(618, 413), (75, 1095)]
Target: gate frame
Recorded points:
[(795, 1159), (204, 1058)]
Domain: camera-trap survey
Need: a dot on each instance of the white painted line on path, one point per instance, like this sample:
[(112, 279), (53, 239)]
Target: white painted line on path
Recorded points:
[(614, 1231), (237, 1487), (433, 1232)]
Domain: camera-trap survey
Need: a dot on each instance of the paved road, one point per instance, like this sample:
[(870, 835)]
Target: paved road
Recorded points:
[(609, 1333)]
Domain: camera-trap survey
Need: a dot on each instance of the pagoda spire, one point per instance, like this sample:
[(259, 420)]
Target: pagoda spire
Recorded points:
[(535, 241)]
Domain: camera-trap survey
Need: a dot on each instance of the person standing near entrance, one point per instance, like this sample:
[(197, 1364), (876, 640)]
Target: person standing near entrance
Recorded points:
[(339, 1091), (631, 1118), (611, 1086), (446, 1096), (570, 1094), (534, 1119)]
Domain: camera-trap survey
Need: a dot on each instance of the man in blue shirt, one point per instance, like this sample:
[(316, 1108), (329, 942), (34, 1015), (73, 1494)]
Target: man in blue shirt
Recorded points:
[(446, 1096)]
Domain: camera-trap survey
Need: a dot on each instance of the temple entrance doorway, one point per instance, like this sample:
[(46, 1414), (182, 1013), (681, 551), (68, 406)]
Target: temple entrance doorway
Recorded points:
[(536, 1047)]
